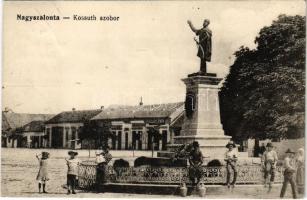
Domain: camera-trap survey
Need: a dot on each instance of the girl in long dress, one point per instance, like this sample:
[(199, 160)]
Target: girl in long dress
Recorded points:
[(300, 174), (42, 175)]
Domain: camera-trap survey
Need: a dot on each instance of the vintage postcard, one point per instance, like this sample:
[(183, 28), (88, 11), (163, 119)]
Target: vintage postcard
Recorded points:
[(154, 99)]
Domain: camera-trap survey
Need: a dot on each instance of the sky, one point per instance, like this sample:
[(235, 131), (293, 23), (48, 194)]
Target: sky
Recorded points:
[(52, 66)]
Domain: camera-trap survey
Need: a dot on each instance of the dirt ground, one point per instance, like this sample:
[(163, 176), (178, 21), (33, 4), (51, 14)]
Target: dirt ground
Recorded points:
[(19, 168)]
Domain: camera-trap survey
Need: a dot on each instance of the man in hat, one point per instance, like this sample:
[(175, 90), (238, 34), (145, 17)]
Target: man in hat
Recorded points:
[(231, 158), (100, 160), (107, 156), (269, 161), (196, 161), (103, 167), (72, 172), (290, 169)]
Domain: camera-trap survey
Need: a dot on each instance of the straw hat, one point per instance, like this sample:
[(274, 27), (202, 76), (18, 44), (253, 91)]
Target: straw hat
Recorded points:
[(98, 152), (230, 143), (290, 151), (45, 154), (72, 153)]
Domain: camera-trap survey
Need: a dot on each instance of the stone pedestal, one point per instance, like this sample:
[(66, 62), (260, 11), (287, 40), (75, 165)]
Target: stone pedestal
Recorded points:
[(202, 121)]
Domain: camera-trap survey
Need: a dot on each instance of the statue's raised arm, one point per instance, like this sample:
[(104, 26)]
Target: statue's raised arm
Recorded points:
[(204, 44), (192, 27)]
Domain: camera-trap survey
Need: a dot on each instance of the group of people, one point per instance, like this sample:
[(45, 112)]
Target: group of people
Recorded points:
[(196, 161), (72, 171), (103, 157), (293, 167)]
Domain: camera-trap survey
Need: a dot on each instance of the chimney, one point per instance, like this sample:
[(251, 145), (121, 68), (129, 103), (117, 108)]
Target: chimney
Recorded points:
[(101, 107), (73, 109), (141, 102)]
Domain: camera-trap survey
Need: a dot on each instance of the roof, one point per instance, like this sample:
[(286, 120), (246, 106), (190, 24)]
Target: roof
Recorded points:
[(75, 116), (11, 120), (140, 111), (34, 126)]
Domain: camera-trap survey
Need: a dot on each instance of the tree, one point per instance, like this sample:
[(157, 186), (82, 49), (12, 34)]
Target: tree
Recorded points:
[(263, 95), (97, 133)]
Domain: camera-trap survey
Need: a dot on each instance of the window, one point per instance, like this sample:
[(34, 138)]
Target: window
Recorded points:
[(164, 139), (126, 140), (119, 140)]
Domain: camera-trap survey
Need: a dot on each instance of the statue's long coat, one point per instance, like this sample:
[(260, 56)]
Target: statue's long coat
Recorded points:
[(205, 44)]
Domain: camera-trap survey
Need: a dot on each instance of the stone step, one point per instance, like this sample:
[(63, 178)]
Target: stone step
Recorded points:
[(140, 188)]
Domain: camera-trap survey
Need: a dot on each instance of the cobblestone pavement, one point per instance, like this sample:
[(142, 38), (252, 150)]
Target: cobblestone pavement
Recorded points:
[(19, 168)]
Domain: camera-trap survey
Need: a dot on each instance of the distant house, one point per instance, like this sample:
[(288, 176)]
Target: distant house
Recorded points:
[(12, 121), (131, 125), (33, 135), (62, 131)]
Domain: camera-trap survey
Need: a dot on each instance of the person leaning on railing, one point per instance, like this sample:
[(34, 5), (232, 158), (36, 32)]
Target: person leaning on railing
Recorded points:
[(102, 159), (108, 157), (196, 161), (99, 161), (231, 158)]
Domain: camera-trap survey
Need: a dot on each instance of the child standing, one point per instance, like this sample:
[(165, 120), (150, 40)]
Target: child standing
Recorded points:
[(42, 175), (72, 172)]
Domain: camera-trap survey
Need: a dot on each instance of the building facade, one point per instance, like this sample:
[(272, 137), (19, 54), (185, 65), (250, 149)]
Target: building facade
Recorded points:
[(143, 127), (13, 123), (62, 131), (32, 135)]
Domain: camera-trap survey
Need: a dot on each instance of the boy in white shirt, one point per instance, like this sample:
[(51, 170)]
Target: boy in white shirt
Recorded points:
[(72, 172)]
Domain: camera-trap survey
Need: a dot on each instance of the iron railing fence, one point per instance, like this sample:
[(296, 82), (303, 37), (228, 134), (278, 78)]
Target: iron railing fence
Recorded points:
[(247, 174)]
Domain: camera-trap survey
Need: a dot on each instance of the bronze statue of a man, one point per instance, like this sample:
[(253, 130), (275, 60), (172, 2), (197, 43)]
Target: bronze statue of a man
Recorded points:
[(204, 44)]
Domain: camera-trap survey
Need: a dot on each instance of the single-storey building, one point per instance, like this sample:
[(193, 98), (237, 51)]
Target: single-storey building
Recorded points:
[(33, 135), (62, 130), (12, 121), (132, 126)]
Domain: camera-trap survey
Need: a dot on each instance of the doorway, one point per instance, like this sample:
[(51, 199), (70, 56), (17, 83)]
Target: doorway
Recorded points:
[(57, 137)]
